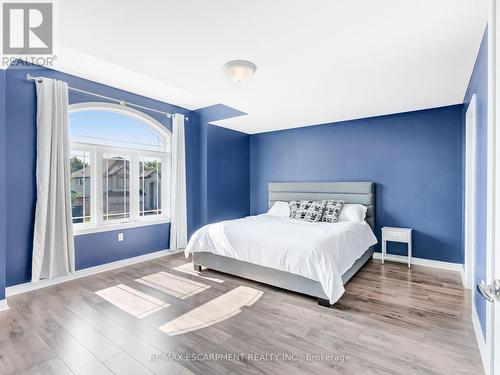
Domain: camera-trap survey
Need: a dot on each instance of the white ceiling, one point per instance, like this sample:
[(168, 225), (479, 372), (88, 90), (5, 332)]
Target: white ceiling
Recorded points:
[(318, 61)]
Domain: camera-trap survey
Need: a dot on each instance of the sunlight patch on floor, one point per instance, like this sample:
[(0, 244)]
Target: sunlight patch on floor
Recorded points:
[(212, 312), (188, 268), (132, 301), (173, 285)]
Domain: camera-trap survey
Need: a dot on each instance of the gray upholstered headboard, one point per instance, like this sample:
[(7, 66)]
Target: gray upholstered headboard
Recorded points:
[(350, 192)]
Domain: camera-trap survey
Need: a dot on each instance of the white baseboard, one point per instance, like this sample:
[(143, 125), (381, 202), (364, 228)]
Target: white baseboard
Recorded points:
[(462, 276), (459, 267), (3, 305), (28, 287), (481, 341)]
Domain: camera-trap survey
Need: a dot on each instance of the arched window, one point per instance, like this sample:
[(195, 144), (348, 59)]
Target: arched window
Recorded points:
[(120, 167)]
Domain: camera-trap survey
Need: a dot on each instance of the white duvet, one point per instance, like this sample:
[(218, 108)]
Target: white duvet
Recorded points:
[(317, 251)]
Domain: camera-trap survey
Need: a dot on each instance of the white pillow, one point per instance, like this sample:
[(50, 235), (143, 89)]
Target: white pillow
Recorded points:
[(355, 213), (279, 209)]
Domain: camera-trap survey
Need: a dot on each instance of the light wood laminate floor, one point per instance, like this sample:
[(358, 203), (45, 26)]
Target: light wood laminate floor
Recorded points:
[(159, 317)]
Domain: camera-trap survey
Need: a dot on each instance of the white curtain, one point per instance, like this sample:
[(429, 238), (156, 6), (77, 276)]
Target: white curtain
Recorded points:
[(53, 246), (178, 220)]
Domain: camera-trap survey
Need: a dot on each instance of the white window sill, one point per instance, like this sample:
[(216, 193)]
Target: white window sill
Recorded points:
[(79, 229)]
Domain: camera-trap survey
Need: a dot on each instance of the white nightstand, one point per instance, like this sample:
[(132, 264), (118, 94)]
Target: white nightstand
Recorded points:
[(396, 235)]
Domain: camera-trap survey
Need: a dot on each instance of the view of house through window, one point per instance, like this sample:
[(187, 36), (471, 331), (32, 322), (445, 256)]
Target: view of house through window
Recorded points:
[(116, 186), (80, 185), (150, 186), (119, 165)]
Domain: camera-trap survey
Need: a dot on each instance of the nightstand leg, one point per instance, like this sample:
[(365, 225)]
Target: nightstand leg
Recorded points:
[(383, 250), (409, 253)]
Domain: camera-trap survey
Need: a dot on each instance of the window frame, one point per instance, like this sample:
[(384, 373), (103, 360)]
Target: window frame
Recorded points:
[(97, 222)]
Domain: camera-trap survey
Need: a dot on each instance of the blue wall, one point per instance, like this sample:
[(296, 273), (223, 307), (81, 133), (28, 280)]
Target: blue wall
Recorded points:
[(414, 158), (21, 189), (2, 185), (99, 248), (228, 170), (212, 152), (478, 85)]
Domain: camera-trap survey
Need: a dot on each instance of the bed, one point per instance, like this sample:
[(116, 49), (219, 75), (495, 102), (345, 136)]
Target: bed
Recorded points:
[(315, 259)]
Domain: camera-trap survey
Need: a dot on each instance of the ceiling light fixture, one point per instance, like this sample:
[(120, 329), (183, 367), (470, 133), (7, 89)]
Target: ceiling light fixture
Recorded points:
[(239, 70)]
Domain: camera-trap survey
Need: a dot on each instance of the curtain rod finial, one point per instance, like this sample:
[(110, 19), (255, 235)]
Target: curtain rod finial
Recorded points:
[(29, 77)]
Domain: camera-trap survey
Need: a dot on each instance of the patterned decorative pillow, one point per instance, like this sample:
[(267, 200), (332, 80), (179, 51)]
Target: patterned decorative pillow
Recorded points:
[(332, 211), (293, 206), (311, 211)]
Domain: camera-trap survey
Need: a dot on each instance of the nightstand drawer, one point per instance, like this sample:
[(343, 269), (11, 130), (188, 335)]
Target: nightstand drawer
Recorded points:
[(396, 236)]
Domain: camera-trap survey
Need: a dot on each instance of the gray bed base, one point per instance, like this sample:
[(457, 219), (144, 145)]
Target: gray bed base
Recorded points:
[(350, 192)]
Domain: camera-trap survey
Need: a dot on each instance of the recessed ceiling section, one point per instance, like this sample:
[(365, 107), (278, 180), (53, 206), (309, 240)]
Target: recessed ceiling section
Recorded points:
[(318, 62)]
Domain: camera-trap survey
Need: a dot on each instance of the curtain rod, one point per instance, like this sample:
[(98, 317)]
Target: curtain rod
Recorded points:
[(121, 102)]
